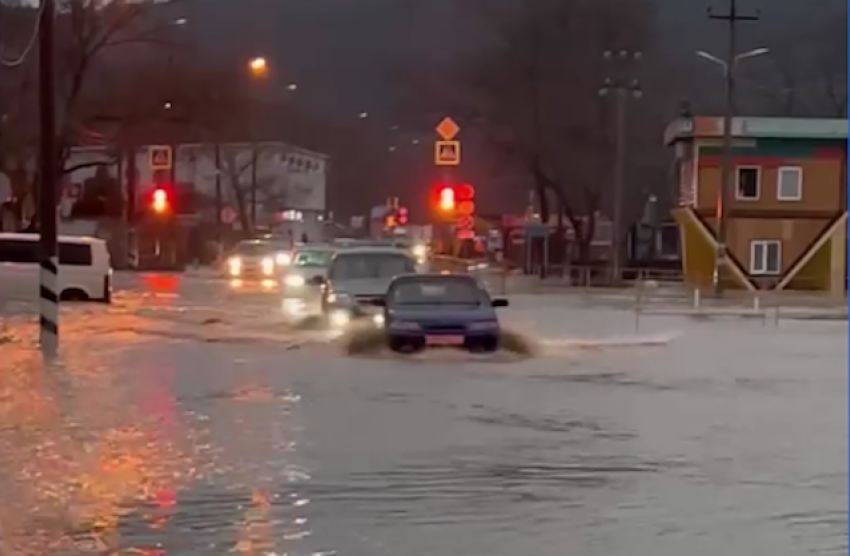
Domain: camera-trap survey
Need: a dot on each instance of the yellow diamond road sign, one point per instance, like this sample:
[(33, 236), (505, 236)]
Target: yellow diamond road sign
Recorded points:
[(448, 129), (447, 153)]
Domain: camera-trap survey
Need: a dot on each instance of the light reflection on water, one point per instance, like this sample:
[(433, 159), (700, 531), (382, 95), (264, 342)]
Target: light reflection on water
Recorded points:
[(76, 452)]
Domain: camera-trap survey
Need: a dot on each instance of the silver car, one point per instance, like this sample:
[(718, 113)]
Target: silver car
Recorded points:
[(356, 277), (300, 287), (252, 259)]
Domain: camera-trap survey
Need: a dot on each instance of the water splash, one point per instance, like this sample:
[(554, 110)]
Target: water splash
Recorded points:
[(569, 345)]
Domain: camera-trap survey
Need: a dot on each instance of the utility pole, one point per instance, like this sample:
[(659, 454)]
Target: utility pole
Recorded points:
[(622, 87), (732, 17), (48, 260)]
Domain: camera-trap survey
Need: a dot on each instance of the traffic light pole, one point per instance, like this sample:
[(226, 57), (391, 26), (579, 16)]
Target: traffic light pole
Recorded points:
[(48, 260)]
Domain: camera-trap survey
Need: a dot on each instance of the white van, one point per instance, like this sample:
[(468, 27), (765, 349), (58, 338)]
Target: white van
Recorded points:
[(85, 273)]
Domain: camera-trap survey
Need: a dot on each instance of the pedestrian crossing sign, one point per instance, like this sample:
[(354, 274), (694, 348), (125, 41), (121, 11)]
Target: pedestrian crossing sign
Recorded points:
[(159, 157), (447, 153)]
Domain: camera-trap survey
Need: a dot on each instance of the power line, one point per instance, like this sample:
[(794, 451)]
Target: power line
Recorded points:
[(31, 42)]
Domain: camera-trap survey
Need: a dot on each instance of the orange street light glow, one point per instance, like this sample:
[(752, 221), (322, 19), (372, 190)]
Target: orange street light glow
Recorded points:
[(258, 66)]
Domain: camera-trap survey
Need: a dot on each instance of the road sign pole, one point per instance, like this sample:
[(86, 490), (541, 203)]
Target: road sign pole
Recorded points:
[(48, 262)]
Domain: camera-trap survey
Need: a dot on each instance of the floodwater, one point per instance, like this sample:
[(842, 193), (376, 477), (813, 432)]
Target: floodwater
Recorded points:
[(682, 437)]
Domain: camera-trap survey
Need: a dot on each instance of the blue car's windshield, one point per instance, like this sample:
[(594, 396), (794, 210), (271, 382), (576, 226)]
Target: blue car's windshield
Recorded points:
[(437, 291)]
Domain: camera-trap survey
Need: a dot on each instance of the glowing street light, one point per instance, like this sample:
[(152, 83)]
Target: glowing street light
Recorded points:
[(258, 66)]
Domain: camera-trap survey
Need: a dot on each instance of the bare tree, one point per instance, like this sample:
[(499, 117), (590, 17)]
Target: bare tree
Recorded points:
[(95, 42), (533, 96), (17, 102), (241, 168), (808, 70)]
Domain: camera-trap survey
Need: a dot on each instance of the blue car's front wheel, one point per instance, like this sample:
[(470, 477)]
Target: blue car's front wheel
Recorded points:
[(400, 344)]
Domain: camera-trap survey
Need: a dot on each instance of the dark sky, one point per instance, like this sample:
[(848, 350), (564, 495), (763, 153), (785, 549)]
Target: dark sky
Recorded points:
[(349, 56), (346, 54)]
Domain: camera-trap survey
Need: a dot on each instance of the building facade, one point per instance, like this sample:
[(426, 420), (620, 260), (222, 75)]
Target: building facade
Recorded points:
[(787, 213), (288, 184)]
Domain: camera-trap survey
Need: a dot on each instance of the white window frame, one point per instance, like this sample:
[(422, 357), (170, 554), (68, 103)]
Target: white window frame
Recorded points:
[(738, 195), (759, 267), (795, 169)]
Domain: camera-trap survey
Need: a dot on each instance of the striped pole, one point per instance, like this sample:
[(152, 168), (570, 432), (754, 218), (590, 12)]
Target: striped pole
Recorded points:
[(47, 214), (49, 305)]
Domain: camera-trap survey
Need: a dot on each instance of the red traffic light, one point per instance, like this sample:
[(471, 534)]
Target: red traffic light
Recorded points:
[(159, 200), (465, 192), (447, 198)]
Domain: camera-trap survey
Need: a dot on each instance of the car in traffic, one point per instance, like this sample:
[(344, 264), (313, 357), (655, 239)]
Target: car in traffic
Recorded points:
[(356, 278), (254, 260), (440, 310), (301, 296)]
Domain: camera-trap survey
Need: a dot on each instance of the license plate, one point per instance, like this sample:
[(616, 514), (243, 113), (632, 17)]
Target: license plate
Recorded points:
[(444, 340)]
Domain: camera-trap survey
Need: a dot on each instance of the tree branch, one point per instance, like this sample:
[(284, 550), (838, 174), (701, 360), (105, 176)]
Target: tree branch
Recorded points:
[(84, 165)]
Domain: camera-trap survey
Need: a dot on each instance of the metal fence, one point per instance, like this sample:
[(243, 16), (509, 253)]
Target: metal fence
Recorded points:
[(652, 292)]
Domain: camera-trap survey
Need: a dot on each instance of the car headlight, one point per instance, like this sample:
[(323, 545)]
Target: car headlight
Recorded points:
[(234, 266), (483, 325), (420, 251), (378, 319), (404, 325), (267, 265), (283, 259), (294, 281)]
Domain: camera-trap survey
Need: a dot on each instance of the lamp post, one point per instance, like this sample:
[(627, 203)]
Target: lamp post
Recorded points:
[(724, 194), (259, 69)]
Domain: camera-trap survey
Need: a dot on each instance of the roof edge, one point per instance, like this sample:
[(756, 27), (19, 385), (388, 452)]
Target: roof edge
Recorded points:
[(748, 127)]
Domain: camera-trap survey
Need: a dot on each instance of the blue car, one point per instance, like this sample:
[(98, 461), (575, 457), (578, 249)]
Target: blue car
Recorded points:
[(440, 310)]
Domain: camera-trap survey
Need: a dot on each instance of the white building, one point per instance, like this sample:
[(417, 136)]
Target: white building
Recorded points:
[(291, 183)]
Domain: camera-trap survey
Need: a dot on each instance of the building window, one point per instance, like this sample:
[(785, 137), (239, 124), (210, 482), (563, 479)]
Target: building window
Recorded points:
[(747, 183), (765, 257), (789, 183)]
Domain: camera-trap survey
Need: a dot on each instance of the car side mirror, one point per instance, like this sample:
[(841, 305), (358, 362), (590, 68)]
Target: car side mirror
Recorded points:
[(317, 281), (500, 302)]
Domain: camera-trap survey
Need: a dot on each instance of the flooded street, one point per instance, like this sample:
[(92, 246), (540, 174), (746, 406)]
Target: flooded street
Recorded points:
[(729, 437)]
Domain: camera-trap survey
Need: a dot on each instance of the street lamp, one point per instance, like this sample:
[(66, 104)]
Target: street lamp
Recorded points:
[(743, 56), (729, 66), (258, 66)]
